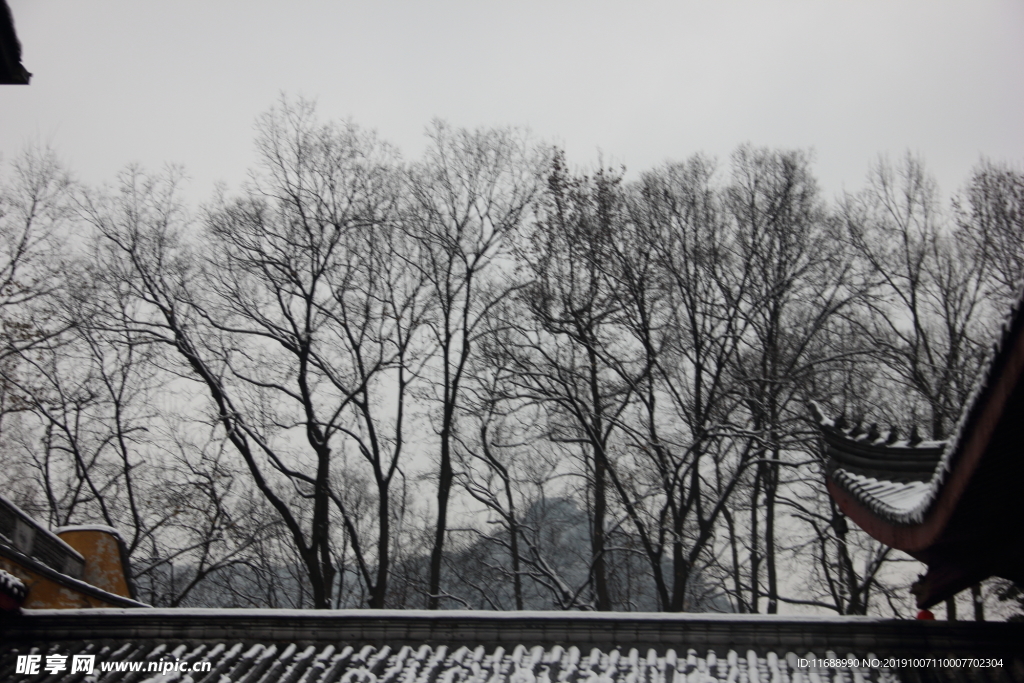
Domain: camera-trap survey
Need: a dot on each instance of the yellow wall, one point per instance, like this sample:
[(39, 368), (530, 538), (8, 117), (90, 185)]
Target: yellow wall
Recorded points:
[(102, 559), (46, 594)]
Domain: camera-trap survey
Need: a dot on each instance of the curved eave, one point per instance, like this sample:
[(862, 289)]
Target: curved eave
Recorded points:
[(893, 462), (910, 538), (917, 530)]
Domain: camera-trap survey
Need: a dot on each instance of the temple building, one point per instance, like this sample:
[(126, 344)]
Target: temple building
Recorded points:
[(11, 70), (71, 567), (956, 505)]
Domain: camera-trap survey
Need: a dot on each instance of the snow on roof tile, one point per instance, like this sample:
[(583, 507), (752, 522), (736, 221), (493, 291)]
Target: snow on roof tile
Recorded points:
[(52, 538), (396, 646), (909, 504), (12, 585), (893, 498), (267, 663)]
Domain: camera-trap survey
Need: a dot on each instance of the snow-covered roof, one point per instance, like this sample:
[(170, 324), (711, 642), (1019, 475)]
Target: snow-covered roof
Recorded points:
[(34, 539), (900, 480), (895, 478), (76, 585), (395, 646), (380, 646), (35, 547), (12, 585), (271, 663), (898, 498)]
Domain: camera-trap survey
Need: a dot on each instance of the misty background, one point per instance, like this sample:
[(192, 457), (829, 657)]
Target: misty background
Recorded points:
[(497, 308)]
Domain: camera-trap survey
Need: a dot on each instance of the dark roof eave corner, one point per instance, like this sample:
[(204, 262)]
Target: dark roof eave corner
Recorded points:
[(11, 70), (884, 459), (943, 580)]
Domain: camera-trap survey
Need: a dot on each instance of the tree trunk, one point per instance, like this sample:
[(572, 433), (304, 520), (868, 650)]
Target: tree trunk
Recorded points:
[(444, 487), (979, 602), (597, 533), (771, 489)]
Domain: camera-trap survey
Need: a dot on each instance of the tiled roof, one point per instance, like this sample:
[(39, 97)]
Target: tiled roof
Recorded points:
[(895, 498), (896, 479), (28, 536), (273, 663), (956, 505), (264, 646), (900, 479), (77, 586)]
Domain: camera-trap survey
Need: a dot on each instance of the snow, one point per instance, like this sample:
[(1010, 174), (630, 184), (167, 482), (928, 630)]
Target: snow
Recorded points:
[(899, 497), (242, 615), (267, 662), (41, 529), (91, 527), (12, 585)]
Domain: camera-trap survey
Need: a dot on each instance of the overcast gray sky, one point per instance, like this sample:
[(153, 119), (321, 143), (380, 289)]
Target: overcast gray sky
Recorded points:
[(119, 81)]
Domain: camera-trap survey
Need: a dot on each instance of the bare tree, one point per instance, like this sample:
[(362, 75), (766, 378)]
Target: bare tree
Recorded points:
[(289, 319), (614, 374), (35, 213), (802, 278), (564, 356), (86, 433), (507, 467), (990, 217), (848, 571), (930, 317), (682, 285), (929, 289), (469, 197)]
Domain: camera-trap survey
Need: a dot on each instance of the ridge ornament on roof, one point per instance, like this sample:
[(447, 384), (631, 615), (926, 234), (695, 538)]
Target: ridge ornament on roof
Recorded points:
[(11, 70), (956, 505)]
